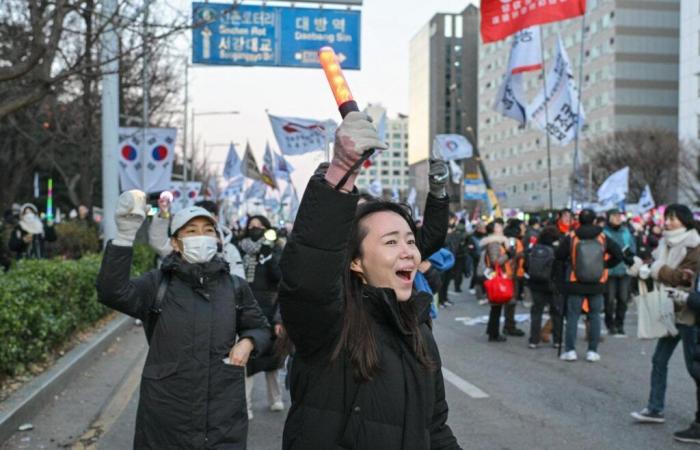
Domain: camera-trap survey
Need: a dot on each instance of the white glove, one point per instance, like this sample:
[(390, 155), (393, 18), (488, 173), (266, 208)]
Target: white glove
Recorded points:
[(633, 270), (644, 272), (354, 136), (130, 214), (678, 296)]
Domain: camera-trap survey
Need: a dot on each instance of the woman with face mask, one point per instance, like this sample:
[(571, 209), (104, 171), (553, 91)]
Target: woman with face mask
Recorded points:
[(366, 373), (30, 235), (261, 263), (204, 326)]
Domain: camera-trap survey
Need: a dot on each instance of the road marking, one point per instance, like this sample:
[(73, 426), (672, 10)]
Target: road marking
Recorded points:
[(463, 385), (113, 410)]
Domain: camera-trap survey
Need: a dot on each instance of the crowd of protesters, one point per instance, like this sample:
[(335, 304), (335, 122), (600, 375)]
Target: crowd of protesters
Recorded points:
[(341, 312)]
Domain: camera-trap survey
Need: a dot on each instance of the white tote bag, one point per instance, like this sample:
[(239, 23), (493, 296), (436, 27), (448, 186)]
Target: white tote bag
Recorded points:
[(656, 317)]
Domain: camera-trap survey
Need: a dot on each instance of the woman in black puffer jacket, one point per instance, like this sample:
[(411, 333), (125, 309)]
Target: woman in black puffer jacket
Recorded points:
[(367, 373)]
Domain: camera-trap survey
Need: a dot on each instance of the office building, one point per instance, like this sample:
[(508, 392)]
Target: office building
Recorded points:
[(390, 167), (689, 100), (629, 79)]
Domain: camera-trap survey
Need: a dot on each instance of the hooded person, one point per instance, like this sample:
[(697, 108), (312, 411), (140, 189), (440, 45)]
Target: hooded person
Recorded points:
[(202, 323), (30, 234)]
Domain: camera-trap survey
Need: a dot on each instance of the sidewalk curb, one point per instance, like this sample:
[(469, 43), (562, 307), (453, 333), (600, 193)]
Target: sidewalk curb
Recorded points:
[(21, 406)]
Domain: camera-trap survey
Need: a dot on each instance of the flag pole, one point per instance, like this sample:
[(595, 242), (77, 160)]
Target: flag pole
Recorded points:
[(578, 108), (546, 121)]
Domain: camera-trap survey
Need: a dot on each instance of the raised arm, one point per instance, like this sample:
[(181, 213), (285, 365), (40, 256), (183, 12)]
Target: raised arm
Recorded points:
[(311, 290), (133, 297), (310, 295), (114, 288), (437, 210)]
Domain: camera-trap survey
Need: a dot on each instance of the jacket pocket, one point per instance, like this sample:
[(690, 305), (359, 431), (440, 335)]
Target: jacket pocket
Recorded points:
[(159, 371)]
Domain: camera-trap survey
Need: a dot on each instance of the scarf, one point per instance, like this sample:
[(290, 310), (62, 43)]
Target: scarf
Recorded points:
[(250, 258), (31, 224), (671, 251), (673, 248)]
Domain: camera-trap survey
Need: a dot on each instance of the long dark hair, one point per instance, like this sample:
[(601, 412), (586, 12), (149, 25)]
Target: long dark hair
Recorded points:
[(357, 338)]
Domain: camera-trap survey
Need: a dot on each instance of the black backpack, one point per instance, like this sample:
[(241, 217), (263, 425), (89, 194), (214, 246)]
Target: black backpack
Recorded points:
[(539, 263), (588, 260)]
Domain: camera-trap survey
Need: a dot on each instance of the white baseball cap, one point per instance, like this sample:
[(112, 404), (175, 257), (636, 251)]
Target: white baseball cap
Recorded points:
[(183, 216)]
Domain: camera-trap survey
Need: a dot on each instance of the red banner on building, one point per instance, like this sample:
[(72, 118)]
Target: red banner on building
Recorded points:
[(501, 18)]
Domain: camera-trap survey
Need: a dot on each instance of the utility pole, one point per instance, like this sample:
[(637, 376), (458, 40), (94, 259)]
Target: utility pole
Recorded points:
[(184, 126), (110, 120), (144, 74)]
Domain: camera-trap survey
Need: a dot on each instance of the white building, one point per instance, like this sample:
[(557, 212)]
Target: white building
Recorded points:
[(689, 87), (390, 167)]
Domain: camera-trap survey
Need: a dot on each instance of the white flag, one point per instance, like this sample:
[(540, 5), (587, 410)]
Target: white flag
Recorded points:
[(562, 107), (375, 188), (526, 52), (453, 146), (185, 194), (525, 55), (395, 197), (509, 101), (614, 188), (232, 168), (296, 136), (646, 201), (148, 165), (283, 170), (456, 171), (411, 200), (256, 190)]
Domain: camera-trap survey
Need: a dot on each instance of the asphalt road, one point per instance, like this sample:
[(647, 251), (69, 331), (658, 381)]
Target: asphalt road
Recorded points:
[(501, 395)]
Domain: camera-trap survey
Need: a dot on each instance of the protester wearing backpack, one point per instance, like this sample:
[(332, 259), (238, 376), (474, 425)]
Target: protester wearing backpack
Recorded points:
[(538, 265), (618, 291), (203, 325), (588, 255)]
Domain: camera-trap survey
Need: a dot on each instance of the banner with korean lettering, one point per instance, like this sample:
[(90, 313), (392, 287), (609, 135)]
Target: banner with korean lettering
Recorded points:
[(501, 18), (146, 165), (296, 136), (558, 112)]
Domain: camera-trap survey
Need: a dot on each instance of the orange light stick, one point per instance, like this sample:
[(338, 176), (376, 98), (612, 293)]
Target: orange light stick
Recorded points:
[(343, 98), (336, 80)]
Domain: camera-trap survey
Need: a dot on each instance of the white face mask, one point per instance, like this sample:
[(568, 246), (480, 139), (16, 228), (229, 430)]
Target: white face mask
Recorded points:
[(199, 249)]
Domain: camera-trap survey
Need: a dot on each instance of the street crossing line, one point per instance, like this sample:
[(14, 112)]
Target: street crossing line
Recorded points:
[(463, 385)]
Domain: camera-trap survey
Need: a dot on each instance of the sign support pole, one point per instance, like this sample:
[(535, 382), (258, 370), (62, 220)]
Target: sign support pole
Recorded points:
[(110, 120)]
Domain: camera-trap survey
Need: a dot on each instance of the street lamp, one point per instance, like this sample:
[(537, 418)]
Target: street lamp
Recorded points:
[(194, 136)]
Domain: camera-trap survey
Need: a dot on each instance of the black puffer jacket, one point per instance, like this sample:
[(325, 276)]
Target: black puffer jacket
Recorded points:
[(402, 408), (189, 398), (563, 254), (264, 287)]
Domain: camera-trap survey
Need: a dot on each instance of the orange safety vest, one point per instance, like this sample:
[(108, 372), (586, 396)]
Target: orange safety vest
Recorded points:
[(507, 267), (519, 249), (574, 241)]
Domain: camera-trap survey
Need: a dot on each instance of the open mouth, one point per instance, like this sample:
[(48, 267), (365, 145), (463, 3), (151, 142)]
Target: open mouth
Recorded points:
[(404, 274)]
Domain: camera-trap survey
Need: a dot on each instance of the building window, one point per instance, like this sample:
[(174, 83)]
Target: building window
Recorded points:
[(397, 172), (385, 172), (448, 25), (458, 26)]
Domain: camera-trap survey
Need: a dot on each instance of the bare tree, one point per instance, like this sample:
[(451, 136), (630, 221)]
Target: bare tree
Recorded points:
[(651, 154)]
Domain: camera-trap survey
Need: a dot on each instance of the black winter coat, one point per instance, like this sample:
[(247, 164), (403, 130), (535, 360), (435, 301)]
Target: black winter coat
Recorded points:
[(403, 407), (431, 236), (34, 250), (563, 254), (189, 398), (264, 287)]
